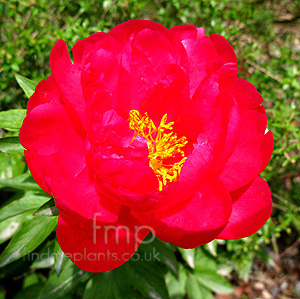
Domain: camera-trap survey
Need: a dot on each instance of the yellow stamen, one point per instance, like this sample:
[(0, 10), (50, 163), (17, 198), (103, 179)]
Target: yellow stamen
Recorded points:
[(163, 146)]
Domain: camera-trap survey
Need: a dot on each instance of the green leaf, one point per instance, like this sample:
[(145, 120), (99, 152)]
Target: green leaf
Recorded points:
[(102, 285), (29, 201), (31, 279), (45, 257), (12, 119), (214, 281), (58, 287), (27, 85), (147, 278), (204, 260), (160, 251), (30, 292), (47, 209), (189, 256), (59, 259), (31, 235), (11, 145), (177, 286), (206, 294), (194, 289), (11, 165), (24, 182), (134, 279), (123, 286), (9, 227)]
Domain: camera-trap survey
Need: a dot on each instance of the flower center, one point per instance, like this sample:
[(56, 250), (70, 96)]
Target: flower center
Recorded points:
[(162, 145)]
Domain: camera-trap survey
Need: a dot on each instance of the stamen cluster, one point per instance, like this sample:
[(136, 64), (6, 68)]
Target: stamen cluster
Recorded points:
[(162, 145)]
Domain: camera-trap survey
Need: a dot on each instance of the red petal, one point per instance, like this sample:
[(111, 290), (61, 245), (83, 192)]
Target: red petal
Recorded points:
[(48, 129), (68, 79), (252, 153), (124, 31), (84, 48), (98, 246), (223, 130), (67, 176), (45, 92), (251, 208), (199, 221), (246, 94), (223, 48), (194, 169), (167, 99), (146, 61), (181, 33), (102, 72), (34, 161), (131, 175), (201, 54)]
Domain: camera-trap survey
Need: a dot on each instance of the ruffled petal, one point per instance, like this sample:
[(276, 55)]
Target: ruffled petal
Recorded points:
[(146, 60), (96, 246), (167, 99), (251, 208), (197, 221)]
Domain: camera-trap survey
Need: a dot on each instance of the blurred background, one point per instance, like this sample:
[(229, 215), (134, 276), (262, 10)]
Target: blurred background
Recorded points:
[(266, 38)]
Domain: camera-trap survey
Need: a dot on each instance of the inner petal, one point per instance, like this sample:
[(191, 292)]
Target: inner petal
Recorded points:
[(166, 156)]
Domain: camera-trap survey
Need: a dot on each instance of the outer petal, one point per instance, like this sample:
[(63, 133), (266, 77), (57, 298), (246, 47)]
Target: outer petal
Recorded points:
[(68, 79), (246, 94), (252, 152), (48, 129), (223, 130), (251, 208), (34, 161), (87, 46), (197, 222), (98, 246), (45, 92), (124, 31), (179, 34), (223, 48)]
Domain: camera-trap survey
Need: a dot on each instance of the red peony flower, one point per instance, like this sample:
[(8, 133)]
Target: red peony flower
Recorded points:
[(148, 129)]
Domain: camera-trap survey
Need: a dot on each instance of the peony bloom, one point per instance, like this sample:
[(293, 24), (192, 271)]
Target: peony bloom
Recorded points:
[(148, 130)]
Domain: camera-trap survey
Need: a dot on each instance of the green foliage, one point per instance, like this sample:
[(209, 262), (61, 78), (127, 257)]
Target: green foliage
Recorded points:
[(29, 237), (47, 209), (268, 57)]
